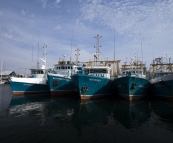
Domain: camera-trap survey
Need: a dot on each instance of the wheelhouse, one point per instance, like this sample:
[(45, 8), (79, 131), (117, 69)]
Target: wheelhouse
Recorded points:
[(98, 71)]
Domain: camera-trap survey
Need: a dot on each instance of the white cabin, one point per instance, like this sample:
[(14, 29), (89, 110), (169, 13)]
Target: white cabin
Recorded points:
[(101, 71)]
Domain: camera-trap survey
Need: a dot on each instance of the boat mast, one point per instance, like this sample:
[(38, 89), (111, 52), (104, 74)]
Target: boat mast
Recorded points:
[(141, 48), (114, 53), (1, 70), (38, 54), (97, 47), (71, 47), (45, 46), (77, 55)]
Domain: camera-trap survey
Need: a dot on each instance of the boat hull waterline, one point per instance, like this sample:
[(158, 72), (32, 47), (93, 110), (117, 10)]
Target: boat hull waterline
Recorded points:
[(22, 88), (162, 87), (92, 87), (132, 87), (61, 86)]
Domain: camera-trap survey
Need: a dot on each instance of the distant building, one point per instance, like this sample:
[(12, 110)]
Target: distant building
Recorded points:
[(6, 75)]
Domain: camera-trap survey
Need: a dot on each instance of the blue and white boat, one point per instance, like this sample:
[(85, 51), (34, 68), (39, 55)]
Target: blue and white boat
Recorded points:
[(59, 79), (96, 79), (94, 82), (132, 83), (36, 84), (162, 79)]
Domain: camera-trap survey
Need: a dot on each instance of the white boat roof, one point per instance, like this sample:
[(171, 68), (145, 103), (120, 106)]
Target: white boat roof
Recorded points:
[(37, 69), (56, 65), (97, 67)]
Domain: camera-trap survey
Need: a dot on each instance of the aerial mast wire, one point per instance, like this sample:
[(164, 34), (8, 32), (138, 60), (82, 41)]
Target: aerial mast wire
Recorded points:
[(45, 46), (38, 54), (114, 51), (77, 55), (32, 52), (71, 47), (141, 47)]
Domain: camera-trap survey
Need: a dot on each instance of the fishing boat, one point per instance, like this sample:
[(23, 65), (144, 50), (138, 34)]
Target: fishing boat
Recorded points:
[(59, 79), (96, 79), (161, 74), (36, 84), (132, 83)]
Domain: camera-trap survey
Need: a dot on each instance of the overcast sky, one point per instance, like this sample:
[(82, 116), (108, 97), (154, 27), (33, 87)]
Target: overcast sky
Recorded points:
[(65, 25)]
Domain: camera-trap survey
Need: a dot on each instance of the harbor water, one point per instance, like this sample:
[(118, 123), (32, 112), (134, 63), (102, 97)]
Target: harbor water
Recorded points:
[(41, 118)]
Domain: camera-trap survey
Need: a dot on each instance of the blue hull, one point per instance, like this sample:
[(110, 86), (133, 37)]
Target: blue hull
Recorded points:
[(21, 88), (90, 87), (61, 86), (132, 87), (163, 89)]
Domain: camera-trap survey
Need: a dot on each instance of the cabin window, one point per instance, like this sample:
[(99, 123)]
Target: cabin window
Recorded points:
[(95, 71), (123, 72), (79, 68), (91, 71), (33, 72), (86, 71), (68, 67), (133, 71), (104, 71)]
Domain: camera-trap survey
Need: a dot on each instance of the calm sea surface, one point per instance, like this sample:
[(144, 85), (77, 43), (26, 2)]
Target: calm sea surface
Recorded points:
[(36, 119)]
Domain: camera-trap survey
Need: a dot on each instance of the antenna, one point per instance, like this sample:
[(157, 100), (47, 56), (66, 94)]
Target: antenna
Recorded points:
[(1, 69), (97, 46), (77, 55), (141, 47), (32, 51), (137, 57), (71, 46), (114, 51), (38, 54), (45, 46), (64, 57)]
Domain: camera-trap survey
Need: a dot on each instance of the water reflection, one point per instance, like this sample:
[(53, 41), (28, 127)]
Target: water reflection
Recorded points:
[(162, 114), (96, 112), (63, 111), (132, 114), (105, 120), (34, 106)]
